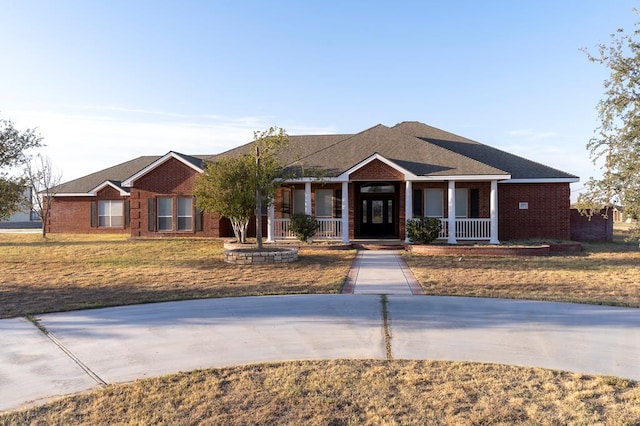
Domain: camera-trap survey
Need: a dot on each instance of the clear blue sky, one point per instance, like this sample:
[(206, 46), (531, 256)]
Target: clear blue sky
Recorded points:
[(108, 81)]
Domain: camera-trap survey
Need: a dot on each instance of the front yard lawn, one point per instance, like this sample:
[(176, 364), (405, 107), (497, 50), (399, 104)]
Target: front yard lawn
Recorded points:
[(69, 272)]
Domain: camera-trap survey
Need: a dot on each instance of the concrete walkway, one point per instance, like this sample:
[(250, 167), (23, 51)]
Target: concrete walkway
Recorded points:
[(381, 272)]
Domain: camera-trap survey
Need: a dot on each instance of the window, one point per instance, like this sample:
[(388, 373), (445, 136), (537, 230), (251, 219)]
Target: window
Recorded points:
[(110, 213), (324, 202), (185, 214), (378, 188), (433, 202), (298, 201), (462, 202), (165, 214)]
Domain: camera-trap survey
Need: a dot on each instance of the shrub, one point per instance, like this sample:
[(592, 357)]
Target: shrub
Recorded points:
[(303, 226), (423, 230)]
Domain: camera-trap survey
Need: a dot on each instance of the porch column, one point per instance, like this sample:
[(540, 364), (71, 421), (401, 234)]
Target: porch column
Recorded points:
[(493, 207), (451, 196), (307, 198), (271, 223), (345, 212), (408, 206)]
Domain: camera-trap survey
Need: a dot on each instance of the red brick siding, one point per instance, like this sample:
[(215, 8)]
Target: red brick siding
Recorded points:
[(546, 218), (73, 214), (596, 229), (376, 170)]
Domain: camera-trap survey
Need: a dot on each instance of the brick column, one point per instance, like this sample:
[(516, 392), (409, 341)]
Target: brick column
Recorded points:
[(408, 206), (345, 212), (493, 207)]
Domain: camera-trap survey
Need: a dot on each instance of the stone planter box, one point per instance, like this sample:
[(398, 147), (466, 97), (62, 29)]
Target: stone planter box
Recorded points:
[(250, 256)]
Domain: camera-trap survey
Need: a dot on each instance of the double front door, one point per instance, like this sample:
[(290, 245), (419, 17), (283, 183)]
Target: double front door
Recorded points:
[(378, 217)]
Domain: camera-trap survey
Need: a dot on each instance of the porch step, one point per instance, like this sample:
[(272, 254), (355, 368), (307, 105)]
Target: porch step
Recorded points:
[(378, 244)]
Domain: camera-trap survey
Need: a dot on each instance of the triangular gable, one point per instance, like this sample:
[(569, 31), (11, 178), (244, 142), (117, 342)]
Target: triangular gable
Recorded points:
[(171, 155), (406, 175), (106, 184)]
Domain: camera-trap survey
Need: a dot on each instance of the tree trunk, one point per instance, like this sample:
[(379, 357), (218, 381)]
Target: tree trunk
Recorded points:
[(240, 229), (258, 201)]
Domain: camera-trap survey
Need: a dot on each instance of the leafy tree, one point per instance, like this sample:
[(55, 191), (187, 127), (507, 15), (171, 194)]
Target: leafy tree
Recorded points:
[(616, 143), (13, 144), (268, 170), (227, 187), (238, 187), (43, 179)]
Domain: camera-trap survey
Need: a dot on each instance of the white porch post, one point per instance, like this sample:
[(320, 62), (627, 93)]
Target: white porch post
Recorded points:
[(493, 206), (408, 207), (451, 196), (271, 223), (307, 198), (345, 212)]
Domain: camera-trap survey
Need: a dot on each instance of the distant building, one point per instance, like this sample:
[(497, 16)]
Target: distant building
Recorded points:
[(26, 217)]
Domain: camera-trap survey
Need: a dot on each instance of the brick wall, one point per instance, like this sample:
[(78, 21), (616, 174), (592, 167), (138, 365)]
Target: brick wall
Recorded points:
[(73, 214), (376, 170), (596, 229), (546, 215)]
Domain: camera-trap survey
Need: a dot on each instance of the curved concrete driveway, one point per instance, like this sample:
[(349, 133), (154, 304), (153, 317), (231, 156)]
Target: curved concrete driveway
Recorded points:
[(87, 348)]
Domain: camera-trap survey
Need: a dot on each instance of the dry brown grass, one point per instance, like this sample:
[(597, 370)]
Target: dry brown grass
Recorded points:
[(352, 393), (604, 273), (68, 272)]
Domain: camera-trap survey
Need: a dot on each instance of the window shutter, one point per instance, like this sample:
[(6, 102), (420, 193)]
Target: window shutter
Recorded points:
[(127, 215), (474, 194), (198, 220), (151, 216), (417, 203), (94, 214)]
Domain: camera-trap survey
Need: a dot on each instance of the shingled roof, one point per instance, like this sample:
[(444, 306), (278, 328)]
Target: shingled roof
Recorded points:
[(518, 167), (412, 154), (115, 175), (415, 147)]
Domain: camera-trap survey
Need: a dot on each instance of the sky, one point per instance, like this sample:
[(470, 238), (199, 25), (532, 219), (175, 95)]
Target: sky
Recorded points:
[(107, 81)]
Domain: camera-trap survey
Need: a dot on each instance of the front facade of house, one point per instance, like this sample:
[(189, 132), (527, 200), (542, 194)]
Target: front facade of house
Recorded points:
[(372, 183)]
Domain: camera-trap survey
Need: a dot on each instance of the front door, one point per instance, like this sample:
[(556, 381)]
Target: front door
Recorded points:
[(377, 218)]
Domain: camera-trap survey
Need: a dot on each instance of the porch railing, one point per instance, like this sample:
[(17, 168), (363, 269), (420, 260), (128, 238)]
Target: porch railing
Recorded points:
[(327, 228), (467, 229)]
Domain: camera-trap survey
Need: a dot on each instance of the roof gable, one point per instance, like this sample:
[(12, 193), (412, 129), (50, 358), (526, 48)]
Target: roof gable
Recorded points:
[(195, 163)]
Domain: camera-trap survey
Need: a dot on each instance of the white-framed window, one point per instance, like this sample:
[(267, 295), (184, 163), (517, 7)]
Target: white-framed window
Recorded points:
[(324, 202), (298, 201), (462, 202), (185, 214), (110, 213), (433, 202), (165, 214)]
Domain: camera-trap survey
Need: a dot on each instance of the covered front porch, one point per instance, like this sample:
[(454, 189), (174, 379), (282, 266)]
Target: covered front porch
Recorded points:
[(350, 210)]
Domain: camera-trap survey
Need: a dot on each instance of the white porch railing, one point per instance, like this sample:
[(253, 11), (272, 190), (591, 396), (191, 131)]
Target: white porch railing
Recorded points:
[(327, 228), (467, 229)]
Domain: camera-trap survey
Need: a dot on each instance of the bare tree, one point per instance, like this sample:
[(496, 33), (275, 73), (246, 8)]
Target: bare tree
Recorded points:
[(43, 180)]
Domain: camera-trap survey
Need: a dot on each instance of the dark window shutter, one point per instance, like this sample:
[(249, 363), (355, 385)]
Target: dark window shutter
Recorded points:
[(417, 203), (198, 220), (127, 214), (337, 213), (151, 216), (94, 214), (474, 195)]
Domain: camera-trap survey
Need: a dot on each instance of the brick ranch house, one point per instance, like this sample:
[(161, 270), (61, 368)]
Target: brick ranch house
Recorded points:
[(371, 183)]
